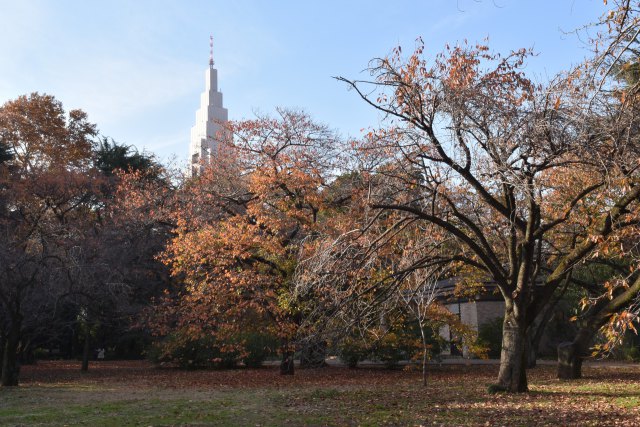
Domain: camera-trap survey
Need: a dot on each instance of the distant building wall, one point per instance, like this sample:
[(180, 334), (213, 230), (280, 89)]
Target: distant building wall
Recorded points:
[(488, 311), (473, 314), (469, 314)]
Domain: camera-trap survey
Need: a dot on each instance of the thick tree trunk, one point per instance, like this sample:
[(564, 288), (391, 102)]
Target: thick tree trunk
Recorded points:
[(534, 336), (286, 365), (571, 354), (513, 359), (539, 326), (86, 350), (532, 353), (10, 363), (569, 361)]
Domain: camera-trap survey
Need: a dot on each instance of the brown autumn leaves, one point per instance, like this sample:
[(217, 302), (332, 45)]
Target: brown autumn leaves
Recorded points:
[(476, 172)]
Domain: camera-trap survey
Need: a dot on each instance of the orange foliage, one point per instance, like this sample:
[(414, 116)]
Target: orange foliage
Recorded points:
[(242, 223)]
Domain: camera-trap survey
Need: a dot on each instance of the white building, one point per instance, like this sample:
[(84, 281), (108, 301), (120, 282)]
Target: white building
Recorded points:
[(472, 310), (210, 118)]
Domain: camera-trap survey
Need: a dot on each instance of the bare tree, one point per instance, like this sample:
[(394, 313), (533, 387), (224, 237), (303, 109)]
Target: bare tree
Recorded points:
[(419, 294), (506, 167)]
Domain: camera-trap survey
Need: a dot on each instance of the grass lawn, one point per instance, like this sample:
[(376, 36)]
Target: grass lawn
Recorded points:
[(134, 393)]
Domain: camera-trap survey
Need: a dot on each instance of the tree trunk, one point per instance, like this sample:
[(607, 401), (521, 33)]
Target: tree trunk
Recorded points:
[(513, 359), (286, 365), (424, 356), (569, 361), (532, 352), (571, 354), (538, 328), (86, 350), (10, 363), (534, 336)]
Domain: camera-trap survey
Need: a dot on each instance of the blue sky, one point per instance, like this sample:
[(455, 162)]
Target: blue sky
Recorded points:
[(137, 66)]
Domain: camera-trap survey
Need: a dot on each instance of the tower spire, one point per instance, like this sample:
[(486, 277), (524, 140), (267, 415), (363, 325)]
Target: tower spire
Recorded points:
[(208, 130), (211, 51)]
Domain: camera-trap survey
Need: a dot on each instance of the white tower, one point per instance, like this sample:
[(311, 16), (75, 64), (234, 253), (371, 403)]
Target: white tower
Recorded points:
[(210, 118)]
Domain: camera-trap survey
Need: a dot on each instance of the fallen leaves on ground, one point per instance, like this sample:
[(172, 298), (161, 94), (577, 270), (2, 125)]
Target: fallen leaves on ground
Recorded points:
[(456, 395)]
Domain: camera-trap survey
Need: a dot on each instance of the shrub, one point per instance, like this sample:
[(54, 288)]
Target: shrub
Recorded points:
[(258, 346), (352, 350), (629, 348), (252, 348), (129, 345), (631, 353), (394, 347), (390, 350), (189, 353)]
